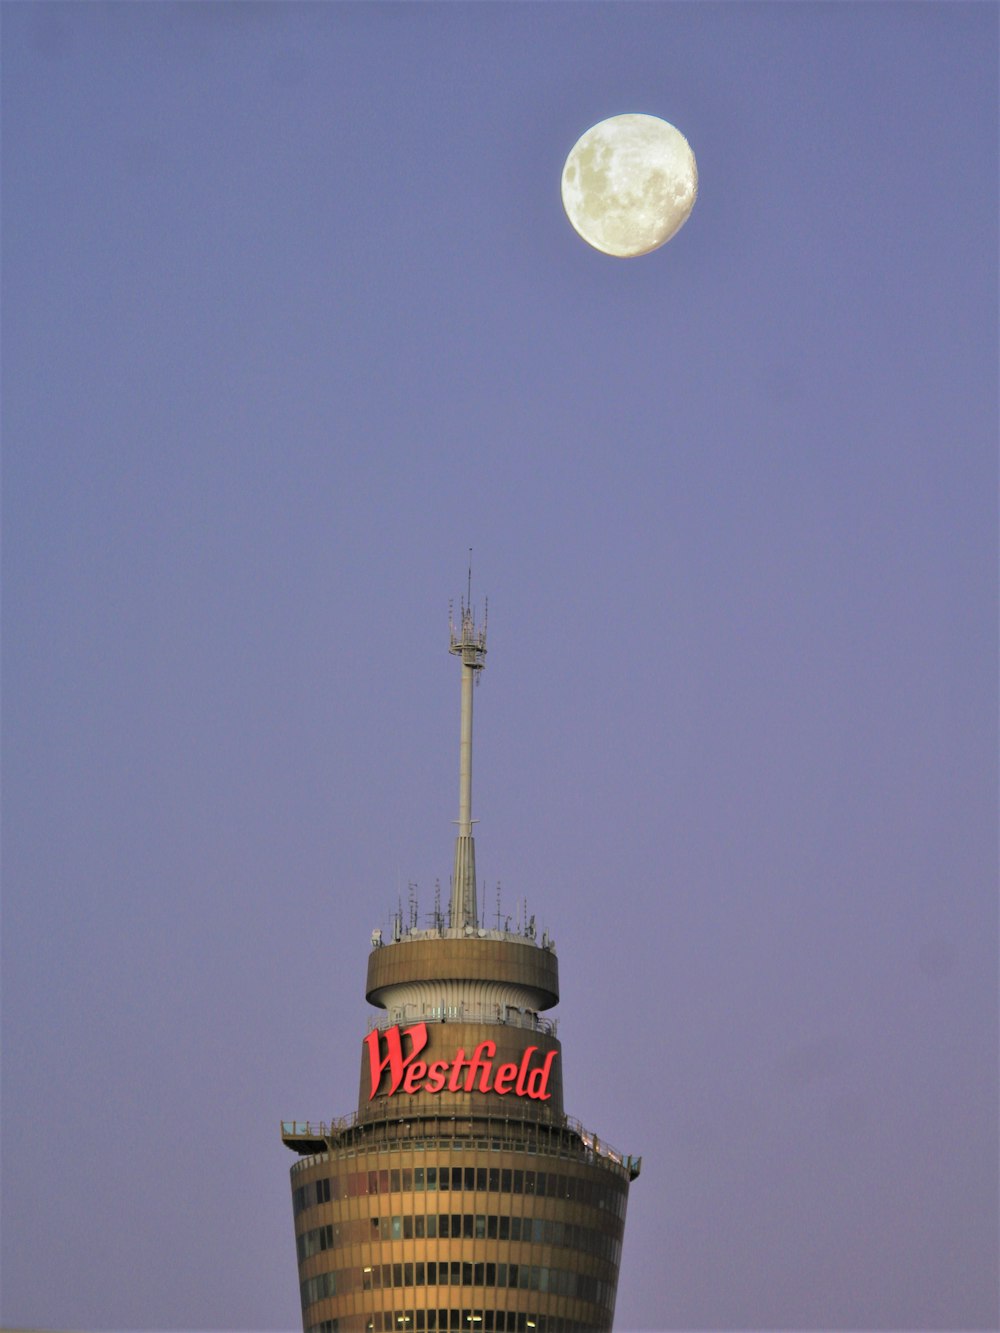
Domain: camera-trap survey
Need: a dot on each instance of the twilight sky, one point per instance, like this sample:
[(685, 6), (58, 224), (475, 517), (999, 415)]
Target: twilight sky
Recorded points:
[(292, 318)]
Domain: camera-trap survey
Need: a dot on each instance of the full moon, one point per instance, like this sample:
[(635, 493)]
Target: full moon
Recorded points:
[(629, 184)]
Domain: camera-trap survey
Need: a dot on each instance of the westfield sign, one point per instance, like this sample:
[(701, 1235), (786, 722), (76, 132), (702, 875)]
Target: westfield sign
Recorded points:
[(463, 1074)]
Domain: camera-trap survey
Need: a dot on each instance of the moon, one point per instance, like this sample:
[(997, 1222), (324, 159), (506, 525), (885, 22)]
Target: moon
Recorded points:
[(629, 184)]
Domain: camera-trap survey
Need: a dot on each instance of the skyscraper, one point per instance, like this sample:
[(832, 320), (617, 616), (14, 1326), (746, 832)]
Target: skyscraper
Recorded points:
[(460, 1195)]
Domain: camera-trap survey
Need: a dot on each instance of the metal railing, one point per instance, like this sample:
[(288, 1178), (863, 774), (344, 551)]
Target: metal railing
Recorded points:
[(468, 1013), (400, 932), (474, 1131)]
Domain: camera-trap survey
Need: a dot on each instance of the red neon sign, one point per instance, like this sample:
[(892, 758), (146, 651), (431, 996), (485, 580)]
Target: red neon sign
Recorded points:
[(463, 1074)]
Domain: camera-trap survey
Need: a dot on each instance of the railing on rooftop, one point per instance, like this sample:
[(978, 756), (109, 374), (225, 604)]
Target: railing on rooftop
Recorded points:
[(400, 933), (468, 1013), (485, 1131)]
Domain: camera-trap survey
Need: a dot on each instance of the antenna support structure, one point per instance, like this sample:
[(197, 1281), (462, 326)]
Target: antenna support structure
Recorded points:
[(468, 644)]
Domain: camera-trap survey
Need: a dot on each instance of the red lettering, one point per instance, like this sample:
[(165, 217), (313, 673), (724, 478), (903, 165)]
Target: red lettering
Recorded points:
[(408, 1074), (538, 1079), (436, 1076), (394, 1057), (477, 1063), (506, 1075), (456, 1070), (413, 1075), (522, 1073)]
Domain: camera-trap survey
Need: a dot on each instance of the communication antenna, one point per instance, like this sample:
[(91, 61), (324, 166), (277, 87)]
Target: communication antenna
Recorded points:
[(468, 643), (498, 905), (412, 890), (438, 923)]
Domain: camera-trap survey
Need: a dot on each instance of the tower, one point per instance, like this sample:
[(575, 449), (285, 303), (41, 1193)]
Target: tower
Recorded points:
[(459, 1195)]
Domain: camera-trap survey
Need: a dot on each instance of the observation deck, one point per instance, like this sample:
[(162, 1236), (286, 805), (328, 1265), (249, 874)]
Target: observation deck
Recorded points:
[(430, 959)]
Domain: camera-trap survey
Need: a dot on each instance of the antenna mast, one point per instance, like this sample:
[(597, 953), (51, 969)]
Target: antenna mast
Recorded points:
[(468, 644)]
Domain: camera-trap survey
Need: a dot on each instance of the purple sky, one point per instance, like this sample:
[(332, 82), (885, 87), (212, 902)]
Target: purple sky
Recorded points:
[(293, 317)]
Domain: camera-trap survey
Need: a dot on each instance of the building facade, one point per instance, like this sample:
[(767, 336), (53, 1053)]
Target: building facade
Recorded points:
[(459, 1195)]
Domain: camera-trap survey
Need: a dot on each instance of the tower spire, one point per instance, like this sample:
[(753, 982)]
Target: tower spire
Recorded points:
[(468, 644)]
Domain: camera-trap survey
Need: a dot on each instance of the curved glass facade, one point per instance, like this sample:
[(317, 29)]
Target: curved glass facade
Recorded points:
[(416, 1237)]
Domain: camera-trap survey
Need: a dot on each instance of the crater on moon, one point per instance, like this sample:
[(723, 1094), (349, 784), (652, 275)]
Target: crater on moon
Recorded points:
[(629, 184)]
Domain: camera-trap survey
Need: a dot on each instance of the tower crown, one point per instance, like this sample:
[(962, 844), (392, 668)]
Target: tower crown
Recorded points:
[(466, 641)]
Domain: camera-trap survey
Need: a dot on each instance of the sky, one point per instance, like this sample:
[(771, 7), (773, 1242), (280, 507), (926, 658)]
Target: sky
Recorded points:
[(293, 318)]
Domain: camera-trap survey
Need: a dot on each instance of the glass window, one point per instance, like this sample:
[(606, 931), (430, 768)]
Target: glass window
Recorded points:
[(418, 1178), (518, 1182), (470, 1177), (393, 1182), (505, 1181), (408, 1184), (456, 1177), (432, 1176), (480, 1177), (494, 1178)]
